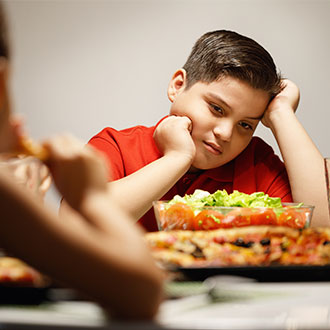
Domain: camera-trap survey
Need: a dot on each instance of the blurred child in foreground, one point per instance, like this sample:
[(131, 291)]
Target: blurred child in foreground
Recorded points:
[(89, 250)]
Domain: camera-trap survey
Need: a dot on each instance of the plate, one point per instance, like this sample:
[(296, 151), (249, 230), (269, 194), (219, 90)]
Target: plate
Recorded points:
[(292, 273)]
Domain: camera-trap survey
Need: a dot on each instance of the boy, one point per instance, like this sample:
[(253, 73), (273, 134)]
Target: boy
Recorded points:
[(89, 250), (228, 84)]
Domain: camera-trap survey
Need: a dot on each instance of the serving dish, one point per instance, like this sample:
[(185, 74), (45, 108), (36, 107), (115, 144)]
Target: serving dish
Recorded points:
[(182, 216)]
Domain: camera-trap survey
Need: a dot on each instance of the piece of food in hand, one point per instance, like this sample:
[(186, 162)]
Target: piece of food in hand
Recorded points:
[(32, 148)]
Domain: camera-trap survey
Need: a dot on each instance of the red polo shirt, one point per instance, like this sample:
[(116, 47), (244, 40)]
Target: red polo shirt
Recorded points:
[(257, 168)]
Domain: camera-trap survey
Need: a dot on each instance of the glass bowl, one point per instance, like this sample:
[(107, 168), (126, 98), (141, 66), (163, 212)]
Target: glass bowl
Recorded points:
[(181, 216)]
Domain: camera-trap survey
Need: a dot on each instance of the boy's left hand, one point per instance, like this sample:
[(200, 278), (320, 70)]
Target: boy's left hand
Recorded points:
[(287, 99)]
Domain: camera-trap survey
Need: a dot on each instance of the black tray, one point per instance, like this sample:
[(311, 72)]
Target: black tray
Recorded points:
[(20, 295), (262, 273)]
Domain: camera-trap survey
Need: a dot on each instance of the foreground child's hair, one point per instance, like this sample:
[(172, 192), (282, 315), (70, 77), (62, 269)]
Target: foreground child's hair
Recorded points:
[(4, 48), (225, 53)]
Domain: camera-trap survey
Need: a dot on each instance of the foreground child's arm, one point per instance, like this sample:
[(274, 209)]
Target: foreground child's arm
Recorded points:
[(91, 250), (303, 161)]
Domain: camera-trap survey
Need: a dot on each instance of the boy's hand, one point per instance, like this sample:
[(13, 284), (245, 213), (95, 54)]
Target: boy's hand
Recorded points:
[(287, 99), (173, 135), (77, 169)]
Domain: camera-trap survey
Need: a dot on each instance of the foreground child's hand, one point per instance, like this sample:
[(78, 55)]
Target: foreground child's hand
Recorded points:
[(11, 128), (77, 169), (28, 172), (173, 135), (286, 100)]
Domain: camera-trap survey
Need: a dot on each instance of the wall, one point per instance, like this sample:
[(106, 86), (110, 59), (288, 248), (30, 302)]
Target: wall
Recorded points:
[(79, 66)]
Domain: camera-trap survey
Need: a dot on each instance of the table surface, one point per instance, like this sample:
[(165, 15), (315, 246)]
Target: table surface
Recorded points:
[(246, 305)]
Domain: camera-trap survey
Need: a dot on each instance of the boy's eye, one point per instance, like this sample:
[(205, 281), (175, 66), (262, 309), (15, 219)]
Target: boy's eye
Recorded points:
[(216, 108), (245, 125)]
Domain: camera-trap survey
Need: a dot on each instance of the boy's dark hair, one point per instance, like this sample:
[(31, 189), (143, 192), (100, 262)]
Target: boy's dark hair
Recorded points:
[(227, 53), (4, 47)]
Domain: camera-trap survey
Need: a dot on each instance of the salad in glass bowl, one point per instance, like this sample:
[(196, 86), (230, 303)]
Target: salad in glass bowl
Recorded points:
[(205, 211)]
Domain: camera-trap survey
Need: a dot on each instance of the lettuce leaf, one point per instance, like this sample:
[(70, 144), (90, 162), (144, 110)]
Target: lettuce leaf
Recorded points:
[(202, 198)]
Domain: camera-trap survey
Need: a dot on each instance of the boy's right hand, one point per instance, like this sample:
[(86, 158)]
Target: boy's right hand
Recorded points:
[(173, 136), (77, 169)]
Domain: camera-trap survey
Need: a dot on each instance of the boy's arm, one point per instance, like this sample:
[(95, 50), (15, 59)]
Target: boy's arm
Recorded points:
[(303, 161), (137, 191)]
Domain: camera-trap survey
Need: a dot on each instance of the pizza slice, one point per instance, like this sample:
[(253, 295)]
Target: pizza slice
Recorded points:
[(254, 245), (15, 272), (30, 147)]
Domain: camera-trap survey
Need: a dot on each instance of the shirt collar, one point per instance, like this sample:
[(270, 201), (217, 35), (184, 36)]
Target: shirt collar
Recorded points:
[(224, 173)]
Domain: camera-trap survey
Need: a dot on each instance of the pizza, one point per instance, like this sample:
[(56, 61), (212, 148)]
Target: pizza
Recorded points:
[(32, 148), (15, 272), (245, 246)]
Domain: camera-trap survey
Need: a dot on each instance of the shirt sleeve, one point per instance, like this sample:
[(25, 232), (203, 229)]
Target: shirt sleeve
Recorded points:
[(106, 143)]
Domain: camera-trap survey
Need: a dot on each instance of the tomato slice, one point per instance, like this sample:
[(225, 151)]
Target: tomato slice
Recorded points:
[(178, 216), (242, 217), (292, 218), (239, 217), (261, 217), (208, 220)]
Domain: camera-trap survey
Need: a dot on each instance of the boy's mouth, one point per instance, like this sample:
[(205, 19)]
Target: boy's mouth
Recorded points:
[(213, 148)]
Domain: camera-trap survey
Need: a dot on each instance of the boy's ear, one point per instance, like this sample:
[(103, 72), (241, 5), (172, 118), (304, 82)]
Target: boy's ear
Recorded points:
[(177, 84)]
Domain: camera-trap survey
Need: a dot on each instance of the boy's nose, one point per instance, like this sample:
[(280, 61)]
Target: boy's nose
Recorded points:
[(223, 130)]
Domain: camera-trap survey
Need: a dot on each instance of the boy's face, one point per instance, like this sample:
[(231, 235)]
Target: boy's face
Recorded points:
[(224, 116)]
